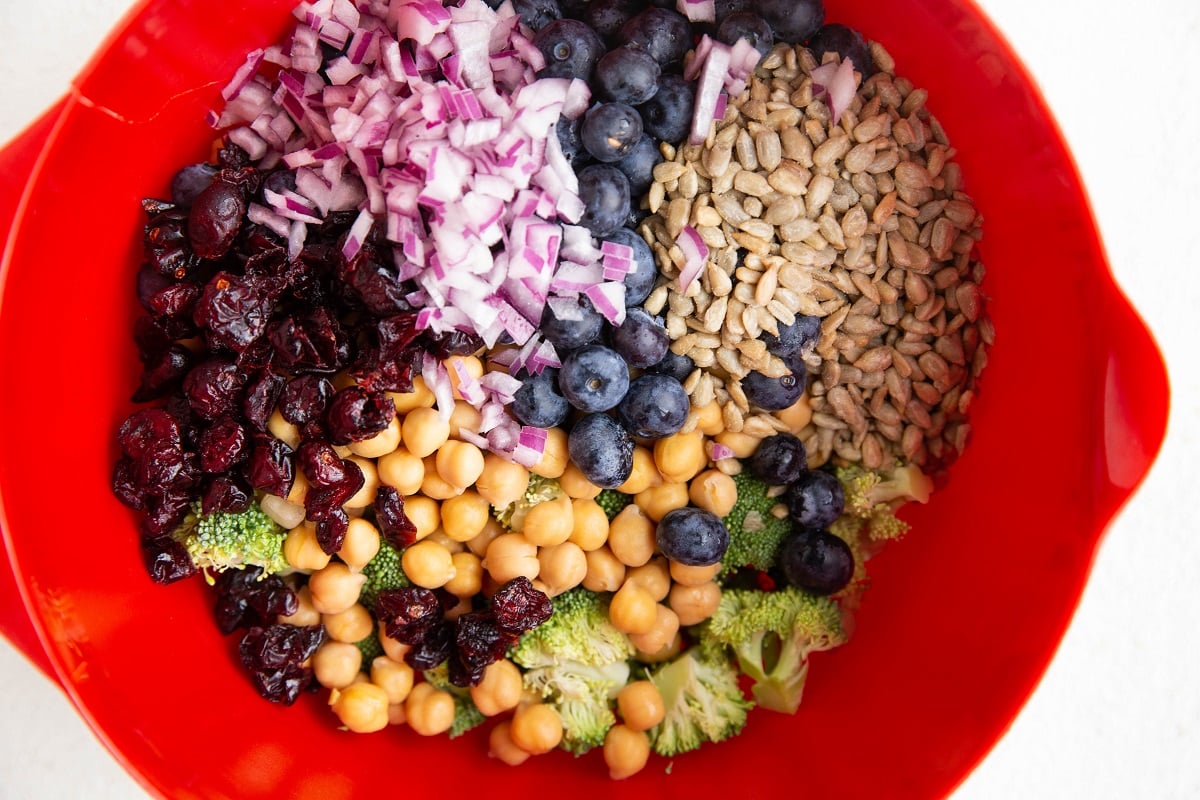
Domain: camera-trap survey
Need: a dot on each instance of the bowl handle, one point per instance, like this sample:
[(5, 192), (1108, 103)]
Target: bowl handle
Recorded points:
[(16, 162)]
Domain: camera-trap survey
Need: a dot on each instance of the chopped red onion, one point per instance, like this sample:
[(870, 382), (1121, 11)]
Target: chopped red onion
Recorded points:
[(697, 10), (609, 300), (712, 75), (718, 451), (695, 255), (842, 89)]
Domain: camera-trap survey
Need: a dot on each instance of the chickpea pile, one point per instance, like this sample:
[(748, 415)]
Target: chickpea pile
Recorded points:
[(449, 487)]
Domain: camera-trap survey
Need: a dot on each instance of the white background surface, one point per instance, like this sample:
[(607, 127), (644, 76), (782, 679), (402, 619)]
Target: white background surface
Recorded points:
[(1118, 714)]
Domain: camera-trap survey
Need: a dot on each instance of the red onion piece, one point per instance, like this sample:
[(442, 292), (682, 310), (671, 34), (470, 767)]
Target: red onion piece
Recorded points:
[(697, 10), (695, 254)]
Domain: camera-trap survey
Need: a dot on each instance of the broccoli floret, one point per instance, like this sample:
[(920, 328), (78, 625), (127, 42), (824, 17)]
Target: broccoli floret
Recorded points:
[(612, 502), (466, 714), (772, 635), (512, 516), (579, 630), (383, 572), (583, 696), (755, 534), (703, 702), (220, 541), (873, 497), (370, 647)]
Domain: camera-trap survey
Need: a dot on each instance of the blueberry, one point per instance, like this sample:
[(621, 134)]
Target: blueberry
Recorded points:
[(608, 16), (638, 164), (537, 14), (847, 43), (593, 378), (570, 334), (723, 8), (692, 537), (604, 190), (816, 561), (654, 407), (815, 499), (639, 281), (793, 21), (668, 115), (189, 182), (665, 34), (538, 402), (798, 338), (627, 75), (677, 366), (610, 131), (775, 394), (779, 459), (602, 450), (570, 140), (749, 26), (571, 49), (640, 339)]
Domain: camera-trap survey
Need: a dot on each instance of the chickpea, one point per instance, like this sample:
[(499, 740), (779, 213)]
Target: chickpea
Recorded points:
[(284, 431), (381, 443), (463, 606), (419, 397), (286, 513), (693, 576), (591, 524), (361, 543), (562, 567), (502, 481), (394, 677), (713, 491), (798, 414), (433, 485), (694, 604), (459, 463), (640, 705), (464, 516), (681, 456), (468, 575), (626, 751), (658, 500), (654, 576), (305, 613), (501, 745), (335, 588), (663, 654), (554, 458), (511, 555), (299, 489), (428, 564), (396, 714), (468, 364), (536, 728), (491, 529), (365, 496), (362, 708), (401, 470), (350, 626), (632, 609), (424, 431), (709, 419), (391, 648), (550, 523), (336, 664), (644, 475), (429, 711), (605, 572), (743, 445), (464, 417), (445, 541), (424, 513), (661, 634), (576, 485), (500, 689), (301, 549), (631, 536)]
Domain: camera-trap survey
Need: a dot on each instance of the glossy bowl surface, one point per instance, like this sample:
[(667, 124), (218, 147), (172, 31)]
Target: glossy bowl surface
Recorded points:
[(958, 625)]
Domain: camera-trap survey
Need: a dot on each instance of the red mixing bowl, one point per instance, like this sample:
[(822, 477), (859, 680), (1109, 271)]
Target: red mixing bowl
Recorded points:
[(961, 618)]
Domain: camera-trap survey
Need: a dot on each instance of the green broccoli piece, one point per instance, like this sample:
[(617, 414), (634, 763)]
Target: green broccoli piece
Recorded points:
[(371, 649), (583, 695), (772, 634), (383, 572), (466, 714), (512, 516), (755, 534), (221, 540), (873, 498), (703, 702), (612, 502), (579, 630)]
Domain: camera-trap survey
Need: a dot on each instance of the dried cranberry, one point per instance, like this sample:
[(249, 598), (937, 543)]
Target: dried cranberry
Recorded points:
[(320, 463), (408, 613), (379, 289), (214, 388), (125, 487), (271, 467), (259, 356), (453, 343), (166, 560), (245, 598), (331, 531), (305, 399), (146, 427), (177, 299), (149, 283), (215, 218), (165, 242), (519, 607), (275, 655), (480, 640), (312, 341), (388, 364), (322, 502), (222, 445), (434, 647), (236, 309), (261, 397), (461, 674), (231, 156), (228, 493), (355, 414), (153, 334), (162, 373), (165, 513), (393, 523), (163, 465)]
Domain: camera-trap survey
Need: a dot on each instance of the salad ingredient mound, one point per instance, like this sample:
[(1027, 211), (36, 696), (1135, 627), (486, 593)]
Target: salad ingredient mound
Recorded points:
[(554, 368)]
